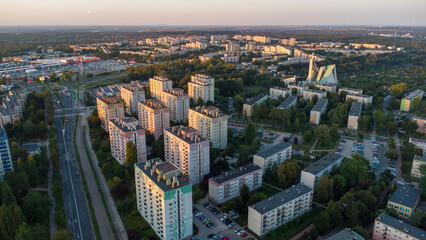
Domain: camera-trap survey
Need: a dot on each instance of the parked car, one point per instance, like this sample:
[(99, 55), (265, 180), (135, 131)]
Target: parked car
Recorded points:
[(237, 230), (244, 234)]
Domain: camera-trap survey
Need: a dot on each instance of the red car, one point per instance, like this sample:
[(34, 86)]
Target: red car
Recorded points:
[(244, 234)]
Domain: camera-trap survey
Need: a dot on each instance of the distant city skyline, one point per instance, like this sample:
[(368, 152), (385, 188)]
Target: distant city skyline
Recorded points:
[(218, 12)]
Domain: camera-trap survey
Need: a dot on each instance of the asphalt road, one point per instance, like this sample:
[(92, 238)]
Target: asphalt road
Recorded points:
[(75, 203)]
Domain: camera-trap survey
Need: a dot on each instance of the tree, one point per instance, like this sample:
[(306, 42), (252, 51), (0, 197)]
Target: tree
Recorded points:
[(250, 132), (354, 169), (392, 155), (6, 194), (307, 136), (238, 102), (11, 217), (287, 172), (322, 223), (399, 90), (245, 194), (23, 232), (416, 217), (18, 182), (36, 206), (339, 185), (322, 133), (391, 143), (325, 188), (197, 194), (62, 234), (361, 231), (131, 153)]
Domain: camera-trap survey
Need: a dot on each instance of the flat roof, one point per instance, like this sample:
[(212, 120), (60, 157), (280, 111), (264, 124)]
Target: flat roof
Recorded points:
[(356, 109), (122, 124), (421, 140), (323, 163), (401, 226), (227, 176), (176, 92), (314, 91), (153, 103), (3, 133), (165, 167), (281, 198), (273, 149), (188, 134), (358, 95), (320, 104), (256, 99), (209, 111), (288, 101), (414, 94), (406, 196), (347, 234), (419, 158)]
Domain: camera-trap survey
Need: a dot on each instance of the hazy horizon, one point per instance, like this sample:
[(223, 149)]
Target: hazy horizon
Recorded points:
[(212, 13)]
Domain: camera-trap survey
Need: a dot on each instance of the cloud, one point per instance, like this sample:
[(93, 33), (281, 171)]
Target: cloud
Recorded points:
[(91, 11)]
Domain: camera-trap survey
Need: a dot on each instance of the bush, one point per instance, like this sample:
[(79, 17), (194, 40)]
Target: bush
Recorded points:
[(126, 205), (120, 191)]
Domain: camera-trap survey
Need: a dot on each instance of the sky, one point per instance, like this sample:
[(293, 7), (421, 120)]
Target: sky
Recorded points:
[(213, 12)]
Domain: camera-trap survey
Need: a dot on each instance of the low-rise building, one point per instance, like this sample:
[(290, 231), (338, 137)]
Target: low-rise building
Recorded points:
[(407, 102), (319, 108), (164, 199), (390, 228), (421, 122), (352, 91), (8, 116), (299, 88), (326, 87), (364, 99), (346, 234), (417, 162), (311, 175), (211, 124), (275, 154), (158, 84), (309, 94), (227, 186), (354, 114), (404, 200), (109, 108), (249, 105), (277, 92), (154, 116), (6, 164), (279, 209), (32, 148), (184, 147), (123, 130), (178, 103), (131, 95), (288, 103), (419, 143)]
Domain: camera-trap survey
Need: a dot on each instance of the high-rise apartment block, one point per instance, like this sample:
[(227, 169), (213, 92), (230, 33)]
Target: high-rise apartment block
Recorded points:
[(354, 114), (390, 228), (273, 212), (319, 108), (131, 95), (154, 116), (211, 124), (178, 103), (407, 102), (164, 199), (201, 86), (6, 164), (158, 84), (227, 186), (218, 38), (109, 108), (232, 47), (311, 175), (277, 92), (184, 147), (275, 154), (122, 130)]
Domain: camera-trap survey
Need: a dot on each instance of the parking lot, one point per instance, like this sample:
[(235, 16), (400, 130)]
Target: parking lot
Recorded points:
[(220, 228), (350, 147)]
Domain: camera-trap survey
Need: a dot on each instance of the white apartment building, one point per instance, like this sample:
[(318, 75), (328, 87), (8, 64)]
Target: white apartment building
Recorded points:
[(417, 162), (277, 153), (299, 88), (273, 212), (364, 99), (354, 114), (109, 108), (419, 143), (158, 84), (248, 107), (218, 38), (184, 147), (131, 95), (262, 39), (352, 91), (227, 186), (312, 174), (277, 92), (211, 124), (154, 116), (390, 228), (319, 108), (122, 130), (178, 103), (288, 103), (201, 86), (309, 94), (6, 164), (232, 47), (326, 87), (230, 58), (164, 199)]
